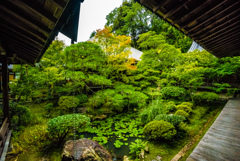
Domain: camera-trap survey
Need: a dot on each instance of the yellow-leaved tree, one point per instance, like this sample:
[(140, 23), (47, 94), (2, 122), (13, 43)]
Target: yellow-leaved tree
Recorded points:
[(117, 49)]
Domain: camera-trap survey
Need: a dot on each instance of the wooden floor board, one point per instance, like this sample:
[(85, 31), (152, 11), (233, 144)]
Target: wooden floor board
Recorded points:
[(222, 140)]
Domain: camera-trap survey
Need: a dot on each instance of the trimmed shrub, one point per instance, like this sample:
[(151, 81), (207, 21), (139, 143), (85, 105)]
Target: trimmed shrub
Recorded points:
[(82, 98), (68, 102), (173, 119), (170, 107), (181, 113), (59, 127), (208, 98), (48, 107), (22, 115), (159, 130), (173, 92), (189, 104), (184, 108)]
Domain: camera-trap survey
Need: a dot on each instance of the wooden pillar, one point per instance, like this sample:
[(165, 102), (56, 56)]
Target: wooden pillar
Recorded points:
[(5, 86)]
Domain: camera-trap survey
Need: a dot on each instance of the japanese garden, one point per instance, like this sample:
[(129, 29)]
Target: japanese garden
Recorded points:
[(133, 109)]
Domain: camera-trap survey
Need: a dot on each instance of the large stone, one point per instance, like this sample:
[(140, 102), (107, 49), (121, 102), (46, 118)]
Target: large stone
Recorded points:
[(84, 150)]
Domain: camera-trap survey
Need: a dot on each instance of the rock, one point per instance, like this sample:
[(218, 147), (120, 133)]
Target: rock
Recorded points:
[(125, 158), (159, 158), (86, 150), (141, 155)]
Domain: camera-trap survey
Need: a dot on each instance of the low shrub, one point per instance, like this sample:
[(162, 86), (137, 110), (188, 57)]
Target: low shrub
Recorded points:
[(82, 98), (189, 104), (68, 102), (173, 92), (21, 115), (159, 130), (135, 147), (181, 113), (184, 108), (48, 107), (208, 98), (173, 119), (59, 127)]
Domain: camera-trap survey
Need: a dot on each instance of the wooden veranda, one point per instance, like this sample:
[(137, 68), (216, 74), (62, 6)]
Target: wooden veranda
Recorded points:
[(27, 28)]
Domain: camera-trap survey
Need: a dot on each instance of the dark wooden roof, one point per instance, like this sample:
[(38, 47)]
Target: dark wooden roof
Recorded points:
[(27, 27), (214, 24)]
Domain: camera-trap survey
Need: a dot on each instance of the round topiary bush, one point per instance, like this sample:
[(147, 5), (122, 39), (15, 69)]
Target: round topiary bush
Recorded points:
[(173, 92), (68, 102), (182, 113), (184, 108), (159, 130), (189, 104)]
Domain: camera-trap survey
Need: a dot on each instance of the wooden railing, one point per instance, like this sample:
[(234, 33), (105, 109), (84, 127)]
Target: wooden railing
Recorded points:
[(3, 134)]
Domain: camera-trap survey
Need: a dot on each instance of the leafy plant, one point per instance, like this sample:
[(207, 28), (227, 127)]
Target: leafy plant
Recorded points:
[(21, 115), (189, 104), (82, 98), (154, 109), (48, 107), (68, 102), (208, 98), (173, 119), (59, 127), (219, 87), (135, 147), (173, 92), (184, 108), (159, 130), (118, 144), (181, 113)]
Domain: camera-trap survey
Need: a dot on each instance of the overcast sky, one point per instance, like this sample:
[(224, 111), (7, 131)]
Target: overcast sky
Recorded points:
[(92, 16)]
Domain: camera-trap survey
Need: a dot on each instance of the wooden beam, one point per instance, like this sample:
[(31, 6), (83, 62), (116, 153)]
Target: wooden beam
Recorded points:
[(162, 3), (212, 18), (190, 13), (61, 3), (220, 35), (175, 9), (218, 23), (35, 8), (23, 19), (219, 31), (202, 15), (5, 86)]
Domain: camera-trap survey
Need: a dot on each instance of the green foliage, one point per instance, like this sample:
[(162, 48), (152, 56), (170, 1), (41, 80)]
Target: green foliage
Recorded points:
[(68, 102), (136, 147), (48, 107), (181, 113), (21, 115), (82, 98), (123, 96), (173, 119), (154, 109), (189, 104), (59, 127), (208, 98), (118, 144), (184, 108), (220, 87), (159, 130), (173, 92)]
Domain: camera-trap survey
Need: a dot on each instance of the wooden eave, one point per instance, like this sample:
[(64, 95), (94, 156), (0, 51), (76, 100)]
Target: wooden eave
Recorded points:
[(27, 27), (213, 24)]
